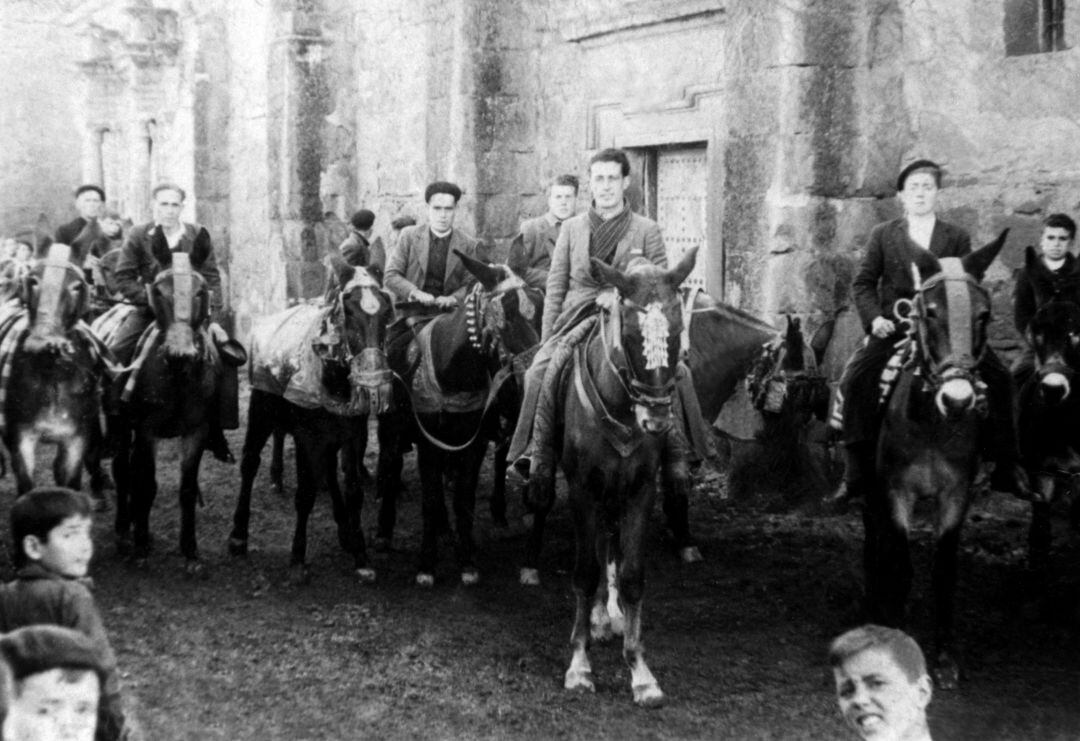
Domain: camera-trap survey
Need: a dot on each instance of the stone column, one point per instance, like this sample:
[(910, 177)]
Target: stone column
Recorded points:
[(298, 108)]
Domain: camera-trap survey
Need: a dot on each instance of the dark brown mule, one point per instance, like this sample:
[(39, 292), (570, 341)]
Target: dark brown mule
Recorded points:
[(354, 380), (51, 372), (616, 401), (169, 395), (1049, 423), (464, 356), (929, 444)]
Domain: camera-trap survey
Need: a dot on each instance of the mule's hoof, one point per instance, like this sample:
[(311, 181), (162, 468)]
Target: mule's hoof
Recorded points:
[(529, 577), (380, 544), (946, 674), (470, 577), (195, 569), (300, 574), (426, 581), (238, 546), (648, 695), (365, 575), (690, 554), (579, 680)]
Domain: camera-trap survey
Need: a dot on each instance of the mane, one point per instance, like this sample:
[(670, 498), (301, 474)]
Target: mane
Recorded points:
[(727, 311)]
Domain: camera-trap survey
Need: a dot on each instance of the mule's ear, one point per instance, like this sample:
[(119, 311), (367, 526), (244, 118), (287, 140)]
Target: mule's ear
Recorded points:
[(978, 261), (612, 277), (684, 268), (517, 260), (926, 264), (488, 276), (342, 269), (821, 338)]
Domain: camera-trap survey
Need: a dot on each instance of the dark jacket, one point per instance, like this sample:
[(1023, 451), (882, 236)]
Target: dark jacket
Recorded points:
[(538, 237), (85, 237), (359, 252), (408, 263), (146, 253), (884, 275), (38, 596), (1024, 303)]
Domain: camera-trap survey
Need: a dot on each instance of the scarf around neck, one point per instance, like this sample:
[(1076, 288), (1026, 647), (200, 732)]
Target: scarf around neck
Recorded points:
[(604, 236)]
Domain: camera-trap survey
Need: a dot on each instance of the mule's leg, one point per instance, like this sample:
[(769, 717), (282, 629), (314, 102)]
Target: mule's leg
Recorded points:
[(92, 460), (121, 466), (600, 627), (530, 571), (191, 450), (430, 461), (23, 454), (352, 460), (895, 555), (68, 463), (875, 515), (307, 466), (586, 580), (1039, 535), (277, 462), (631, 579), (261, 417), (388, 477), (952, 509), (143, 492), (498, 484), (677, 485), (467, 477)]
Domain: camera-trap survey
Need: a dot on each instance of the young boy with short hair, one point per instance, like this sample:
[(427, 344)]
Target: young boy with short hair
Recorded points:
[(56, 678), (50, 528), (881, 683)]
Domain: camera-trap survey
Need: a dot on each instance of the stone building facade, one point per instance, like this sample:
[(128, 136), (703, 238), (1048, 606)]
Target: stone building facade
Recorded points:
[(769, 133)]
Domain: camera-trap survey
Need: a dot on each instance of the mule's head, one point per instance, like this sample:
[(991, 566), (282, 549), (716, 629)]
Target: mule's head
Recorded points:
[(951, 312), (505, 313), (1054, 330), (356, 357), (180, 300), (646, 335), (55, 293)]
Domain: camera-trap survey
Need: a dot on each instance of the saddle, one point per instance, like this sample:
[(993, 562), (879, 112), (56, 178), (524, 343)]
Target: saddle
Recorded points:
[(424, 390)]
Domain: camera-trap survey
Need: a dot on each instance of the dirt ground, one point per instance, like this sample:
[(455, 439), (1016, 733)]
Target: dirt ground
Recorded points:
[(737, 642)]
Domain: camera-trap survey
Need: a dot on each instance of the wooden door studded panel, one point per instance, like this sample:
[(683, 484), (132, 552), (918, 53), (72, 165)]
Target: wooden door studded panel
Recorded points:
[(681, 205)]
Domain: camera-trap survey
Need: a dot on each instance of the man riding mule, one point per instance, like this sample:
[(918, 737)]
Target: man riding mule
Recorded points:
[(611, 233), (884, 277), (147, 251)]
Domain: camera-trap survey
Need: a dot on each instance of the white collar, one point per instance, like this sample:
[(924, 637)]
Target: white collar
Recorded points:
[(444, 235), (1054, 264)]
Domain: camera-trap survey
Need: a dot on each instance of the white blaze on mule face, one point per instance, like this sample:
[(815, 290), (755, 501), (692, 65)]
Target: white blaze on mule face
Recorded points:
[(654, 334)]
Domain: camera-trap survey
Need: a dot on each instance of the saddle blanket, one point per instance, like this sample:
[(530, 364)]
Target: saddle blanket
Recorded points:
[(427, 396), (889, 375), (283, 361)]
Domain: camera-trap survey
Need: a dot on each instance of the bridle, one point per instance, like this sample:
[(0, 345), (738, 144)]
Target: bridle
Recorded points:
[(638, 391), (367, 365), (486, 322), (960, 363)]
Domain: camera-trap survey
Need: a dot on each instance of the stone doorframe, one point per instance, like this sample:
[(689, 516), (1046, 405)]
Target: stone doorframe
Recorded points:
[(695, 117)]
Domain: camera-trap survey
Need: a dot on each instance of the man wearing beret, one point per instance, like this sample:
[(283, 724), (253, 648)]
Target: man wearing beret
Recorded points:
[(84, 233), (885, 276), (359, 249)]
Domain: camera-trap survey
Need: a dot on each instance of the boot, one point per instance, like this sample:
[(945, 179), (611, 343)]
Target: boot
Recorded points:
[(858, 473)]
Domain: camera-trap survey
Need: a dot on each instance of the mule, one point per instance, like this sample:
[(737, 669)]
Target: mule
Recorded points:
[(1049, 422), (928, 444), (170, 393), (616, 400), (346, 381), (51, 369), (461, 359)]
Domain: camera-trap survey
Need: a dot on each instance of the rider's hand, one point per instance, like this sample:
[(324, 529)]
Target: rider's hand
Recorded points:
[(446, 302), (882, 327), (607, 299), (422, 297)]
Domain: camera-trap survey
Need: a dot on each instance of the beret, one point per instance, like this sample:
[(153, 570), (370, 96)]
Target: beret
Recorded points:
[(83, 188), (441, 186), (362, 220), (918, 165), (39, 648)]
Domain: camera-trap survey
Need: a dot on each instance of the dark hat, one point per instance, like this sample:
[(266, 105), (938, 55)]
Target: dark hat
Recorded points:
[(401, 222), (441, 186), (919, 165), (362, 220), (83, 188), (39, 648), (37, 240)]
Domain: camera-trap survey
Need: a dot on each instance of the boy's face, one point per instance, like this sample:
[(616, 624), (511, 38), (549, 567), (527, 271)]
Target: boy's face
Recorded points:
[(920, 193), (561, 201), (110, 226), (167, 207), (878, 700), (88, 204), (1055, 242), (54, 705), (66, 550), (441, 212)]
